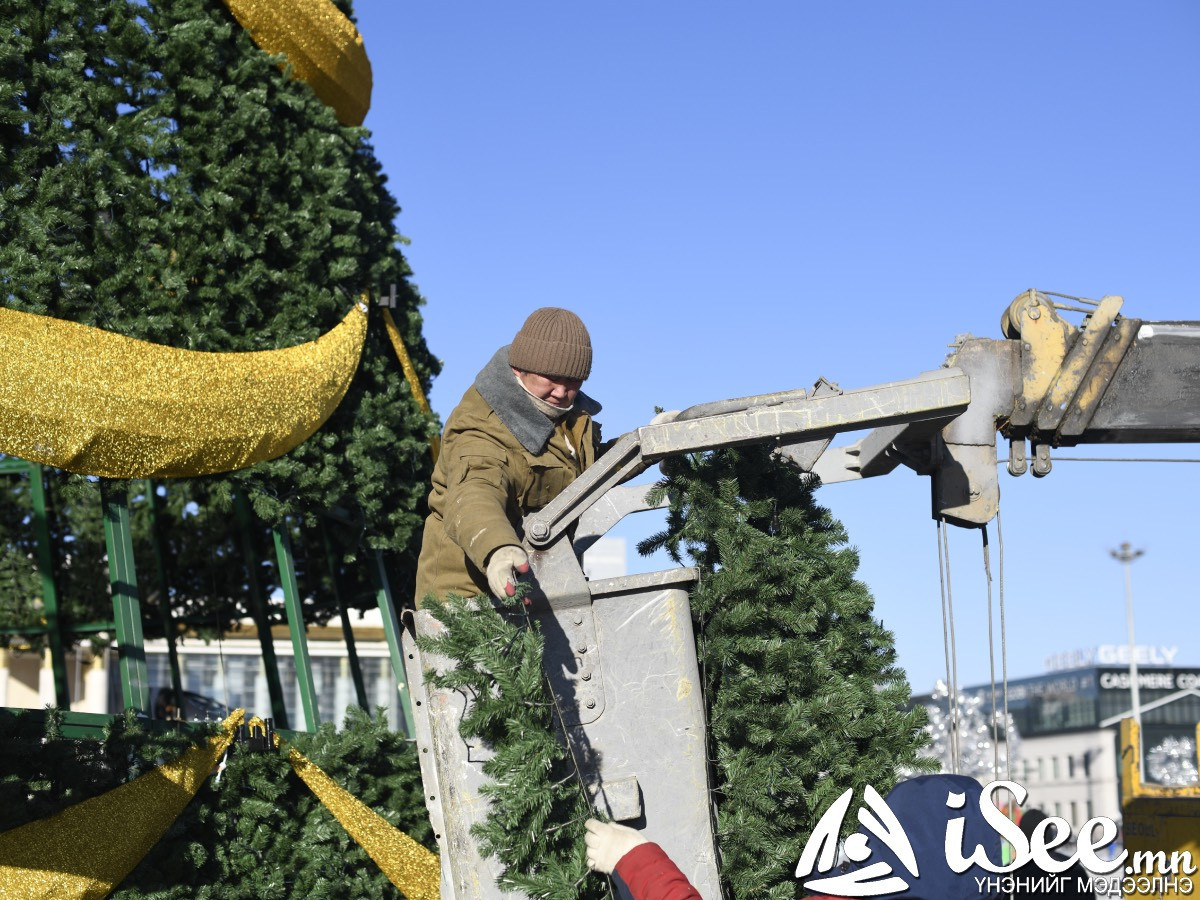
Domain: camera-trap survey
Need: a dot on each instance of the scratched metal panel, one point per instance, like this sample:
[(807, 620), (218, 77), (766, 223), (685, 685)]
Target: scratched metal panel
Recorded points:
[(645, 753), (1154, 395), (653, 726), (452, 774)]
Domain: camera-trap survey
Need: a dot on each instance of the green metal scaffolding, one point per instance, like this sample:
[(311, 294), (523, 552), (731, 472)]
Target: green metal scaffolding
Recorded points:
[(127, 609)]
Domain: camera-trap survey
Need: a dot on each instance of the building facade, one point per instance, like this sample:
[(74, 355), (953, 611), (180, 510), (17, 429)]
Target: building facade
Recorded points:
[(217, 676), (1069, 723), (225, 674)]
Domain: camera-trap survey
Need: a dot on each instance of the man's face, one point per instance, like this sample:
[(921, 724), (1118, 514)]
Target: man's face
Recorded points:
[(557, 391)]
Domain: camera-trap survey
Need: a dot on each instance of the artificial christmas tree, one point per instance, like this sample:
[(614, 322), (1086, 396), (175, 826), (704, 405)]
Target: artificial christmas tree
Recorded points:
[(253, 830), (160, 179)]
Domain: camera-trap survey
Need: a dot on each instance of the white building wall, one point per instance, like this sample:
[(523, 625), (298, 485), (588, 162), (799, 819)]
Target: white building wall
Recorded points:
[(1052, 770), (46, 680), (95, 685), (24, 673), (232, 672)]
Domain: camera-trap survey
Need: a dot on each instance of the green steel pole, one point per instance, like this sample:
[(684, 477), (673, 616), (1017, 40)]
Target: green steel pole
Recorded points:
[(391, 628), (13, 465), (258, 611), (164, 587), (45, 557), (295, 617), (360, 687), (127, 608)]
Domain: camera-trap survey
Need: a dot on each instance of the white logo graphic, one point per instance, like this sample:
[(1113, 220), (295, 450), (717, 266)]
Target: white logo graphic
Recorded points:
[(868, 881), (820, 852)]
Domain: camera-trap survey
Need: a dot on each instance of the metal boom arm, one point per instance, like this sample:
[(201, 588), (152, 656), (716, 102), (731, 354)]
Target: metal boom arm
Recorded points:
[(1112, 380)]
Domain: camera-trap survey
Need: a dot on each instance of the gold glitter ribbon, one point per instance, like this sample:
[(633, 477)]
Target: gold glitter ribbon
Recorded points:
[(87, 849), (322, 46), (410, 375), (98, 403), (413, 869)]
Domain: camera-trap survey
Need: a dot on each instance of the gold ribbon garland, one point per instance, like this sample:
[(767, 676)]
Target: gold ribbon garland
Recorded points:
[(322, 47), (87, 849), (99, 403), (410, 375), (413, 869), (131, 409)]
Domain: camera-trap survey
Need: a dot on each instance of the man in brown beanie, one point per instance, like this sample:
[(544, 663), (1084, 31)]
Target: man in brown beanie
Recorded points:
[(518, 437)]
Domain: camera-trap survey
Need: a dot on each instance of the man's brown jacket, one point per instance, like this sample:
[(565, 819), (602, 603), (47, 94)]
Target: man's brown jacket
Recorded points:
[(501, 459)]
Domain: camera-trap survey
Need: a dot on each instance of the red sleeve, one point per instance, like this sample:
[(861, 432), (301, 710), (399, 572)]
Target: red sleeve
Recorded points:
[(650, 875)]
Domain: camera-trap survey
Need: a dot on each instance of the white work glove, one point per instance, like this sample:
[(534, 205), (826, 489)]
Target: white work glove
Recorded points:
[(505, 566), (667, 415), (607, 842)]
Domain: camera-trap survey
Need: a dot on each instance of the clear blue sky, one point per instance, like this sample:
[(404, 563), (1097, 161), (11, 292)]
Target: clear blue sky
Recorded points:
[(739, 198)]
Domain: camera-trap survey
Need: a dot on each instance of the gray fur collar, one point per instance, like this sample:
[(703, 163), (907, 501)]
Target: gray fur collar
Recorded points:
[(515, 409)]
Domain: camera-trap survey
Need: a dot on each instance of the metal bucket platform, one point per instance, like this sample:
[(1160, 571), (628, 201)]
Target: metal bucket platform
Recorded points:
[(623, 669)]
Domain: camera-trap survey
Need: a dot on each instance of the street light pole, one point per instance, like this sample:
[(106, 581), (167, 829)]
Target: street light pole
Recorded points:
[(1125, 556)]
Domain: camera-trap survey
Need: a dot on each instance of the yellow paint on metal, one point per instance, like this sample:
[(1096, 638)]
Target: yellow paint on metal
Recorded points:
[(1163, 822), (683, 689), (1082, 354), (1044, 336)]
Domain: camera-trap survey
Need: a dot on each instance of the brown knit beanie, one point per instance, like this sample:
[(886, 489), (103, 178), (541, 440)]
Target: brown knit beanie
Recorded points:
[(552, 342)]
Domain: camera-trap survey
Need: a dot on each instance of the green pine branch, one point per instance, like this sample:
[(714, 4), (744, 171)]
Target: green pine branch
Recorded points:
[(537, 800), (803, 694), (161, 178), (256, 832)]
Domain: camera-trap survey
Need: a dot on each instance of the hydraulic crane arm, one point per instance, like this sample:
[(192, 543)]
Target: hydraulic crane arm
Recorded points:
[(1112, 380), (1048, 383), (796, 422), (1045, 384)]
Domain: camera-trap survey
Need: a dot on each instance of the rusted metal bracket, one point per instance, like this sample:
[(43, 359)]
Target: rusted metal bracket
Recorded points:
[(1093, 386), (1065, 374), (1044, 337), (1065, 386)]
